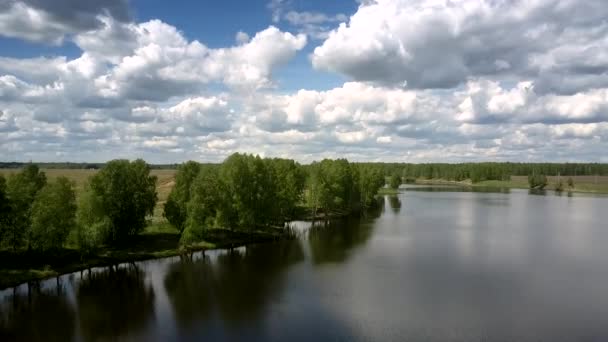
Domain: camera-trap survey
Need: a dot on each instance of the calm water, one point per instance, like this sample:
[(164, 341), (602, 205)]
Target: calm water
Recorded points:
[(431, 266)]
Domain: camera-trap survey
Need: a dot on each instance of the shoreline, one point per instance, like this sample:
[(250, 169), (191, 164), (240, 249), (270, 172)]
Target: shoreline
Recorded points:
[(69, 260), (511, 184)]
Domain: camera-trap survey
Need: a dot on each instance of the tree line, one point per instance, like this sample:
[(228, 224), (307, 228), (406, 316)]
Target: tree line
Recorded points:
[(247, 192), (40, 215), (244, 192), (477, 172)]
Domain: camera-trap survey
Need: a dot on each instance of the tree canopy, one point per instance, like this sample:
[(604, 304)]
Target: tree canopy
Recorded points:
[(21, 191), (175, 209), (127, 194), (53, 215)]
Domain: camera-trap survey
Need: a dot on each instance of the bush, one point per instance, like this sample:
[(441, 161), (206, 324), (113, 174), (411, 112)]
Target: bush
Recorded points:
[(537, 181), (394, 181), (570, 182)]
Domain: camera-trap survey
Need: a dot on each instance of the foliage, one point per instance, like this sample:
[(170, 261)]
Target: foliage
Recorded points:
[(340, 186), (127, 194), (21, 191), (5, 209), (53, 215), (207, 208), (244, 192), (290, 179), (176, 207), (91, 223), (370, 180), (394, 181), (537, 181)]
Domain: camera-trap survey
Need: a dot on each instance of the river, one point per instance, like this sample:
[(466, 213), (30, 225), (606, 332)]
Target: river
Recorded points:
[(434, 264)]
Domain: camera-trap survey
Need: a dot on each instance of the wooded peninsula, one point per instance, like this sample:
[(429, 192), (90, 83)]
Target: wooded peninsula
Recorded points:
[(54, 225)]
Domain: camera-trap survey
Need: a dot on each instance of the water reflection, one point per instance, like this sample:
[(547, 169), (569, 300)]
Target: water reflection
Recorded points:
[(334, 242), (395, 203), (435, 266), (114, 302), (238, 285), (38, 315)]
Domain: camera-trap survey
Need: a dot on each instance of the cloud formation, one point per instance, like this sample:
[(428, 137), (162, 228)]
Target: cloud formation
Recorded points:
[(428, 80), (51, 21), (441, 44)]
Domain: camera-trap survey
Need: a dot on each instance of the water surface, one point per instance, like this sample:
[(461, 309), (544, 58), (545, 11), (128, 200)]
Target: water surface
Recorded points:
[(447, 265)]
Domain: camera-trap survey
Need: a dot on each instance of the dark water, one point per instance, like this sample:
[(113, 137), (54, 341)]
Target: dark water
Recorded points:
[(431, 266)]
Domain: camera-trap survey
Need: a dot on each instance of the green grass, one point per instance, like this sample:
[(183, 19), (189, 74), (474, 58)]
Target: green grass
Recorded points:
[(388, 191)]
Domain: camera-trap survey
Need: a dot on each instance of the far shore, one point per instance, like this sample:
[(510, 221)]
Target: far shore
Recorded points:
[(582, 184)]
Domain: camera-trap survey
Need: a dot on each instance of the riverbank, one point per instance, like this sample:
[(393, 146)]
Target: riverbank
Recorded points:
[(584, 184), (19, 267)]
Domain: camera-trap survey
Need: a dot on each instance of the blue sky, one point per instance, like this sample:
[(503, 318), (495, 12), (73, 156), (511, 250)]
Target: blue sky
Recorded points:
[(386, 80)]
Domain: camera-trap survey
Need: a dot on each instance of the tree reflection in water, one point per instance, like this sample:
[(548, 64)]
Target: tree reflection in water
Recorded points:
[(114, 303), (237, 286), (334, 241), (395, 203), (188, 284), (40, 315)]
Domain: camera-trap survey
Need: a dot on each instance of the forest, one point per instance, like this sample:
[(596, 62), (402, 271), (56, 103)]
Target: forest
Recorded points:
[(244, 193)]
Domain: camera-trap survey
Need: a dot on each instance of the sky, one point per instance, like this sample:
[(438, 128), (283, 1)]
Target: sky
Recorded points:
[(368, 80)]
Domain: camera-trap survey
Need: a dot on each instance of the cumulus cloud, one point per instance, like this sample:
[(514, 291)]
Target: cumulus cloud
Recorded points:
[(351, 103), (440, 44), (430, 81), (50, 21), (487, 102)]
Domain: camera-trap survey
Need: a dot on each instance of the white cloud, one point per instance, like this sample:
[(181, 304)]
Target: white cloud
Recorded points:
[(516, 84), (487, 102), (440, 44)]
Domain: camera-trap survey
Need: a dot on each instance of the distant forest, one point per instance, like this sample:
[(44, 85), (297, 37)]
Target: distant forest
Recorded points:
[(451, 171)]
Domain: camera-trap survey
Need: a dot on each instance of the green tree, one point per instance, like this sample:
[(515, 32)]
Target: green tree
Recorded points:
[(21, 191), (371, 180), (127, 194), (176, 206), (53, 215), (537, 181), (207, 208), (5, 209), (331, 186), (241, 190), (394, 181), (289, 181), (92, 225), (570, 182)]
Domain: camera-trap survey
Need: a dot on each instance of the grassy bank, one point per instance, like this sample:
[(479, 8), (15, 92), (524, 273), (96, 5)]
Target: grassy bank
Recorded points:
[(159, 241), (388, 191), (583, 184)]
